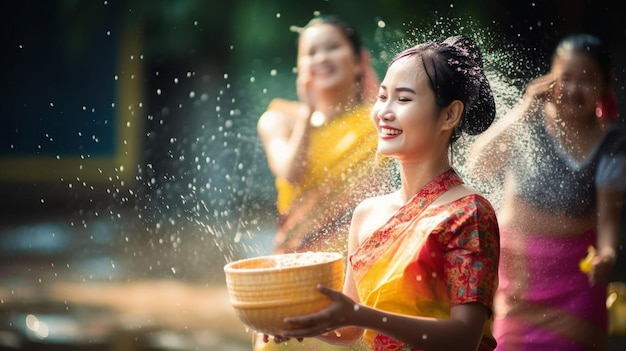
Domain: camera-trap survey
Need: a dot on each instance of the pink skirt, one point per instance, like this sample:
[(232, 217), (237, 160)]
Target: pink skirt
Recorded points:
[(544, 302)]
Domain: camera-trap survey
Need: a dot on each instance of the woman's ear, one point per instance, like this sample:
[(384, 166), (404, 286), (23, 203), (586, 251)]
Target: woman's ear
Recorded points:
[(452, 115)]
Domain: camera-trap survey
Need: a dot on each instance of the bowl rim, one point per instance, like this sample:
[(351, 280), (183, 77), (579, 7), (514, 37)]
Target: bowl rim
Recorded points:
[(230, 267), (259, 305)]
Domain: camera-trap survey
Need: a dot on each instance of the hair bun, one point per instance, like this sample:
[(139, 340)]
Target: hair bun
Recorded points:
[(482, 111)]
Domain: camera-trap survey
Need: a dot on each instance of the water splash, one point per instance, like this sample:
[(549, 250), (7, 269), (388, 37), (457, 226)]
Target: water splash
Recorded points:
[(505, 68)]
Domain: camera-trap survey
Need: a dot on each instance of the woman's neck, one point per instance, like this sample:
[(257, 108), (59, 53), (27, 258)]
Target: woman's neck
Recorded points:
[(577, 136), (416, 175)]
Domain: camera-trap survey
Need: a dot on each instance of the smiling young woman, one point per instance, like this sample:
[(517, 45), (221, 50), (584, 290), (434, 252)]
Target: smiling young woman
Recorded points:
[(423, 260)]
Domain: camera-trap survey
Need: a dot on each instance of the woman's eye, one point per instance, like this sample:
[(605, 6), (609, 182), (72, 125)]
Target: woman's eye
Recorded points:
[(404, 99), (381, 97), (333, 47)]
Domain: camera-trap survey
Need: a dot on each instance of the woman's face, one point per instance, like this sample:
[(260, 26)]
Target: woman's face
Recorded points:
[(326, 58), (405, 113), (578, 85)]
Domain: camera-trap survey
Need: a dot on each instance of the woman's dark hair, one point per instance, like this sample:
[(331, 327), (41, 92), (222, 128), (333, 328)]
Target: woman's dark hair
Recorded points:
[(591, 45), (351, 34), (455, 72)]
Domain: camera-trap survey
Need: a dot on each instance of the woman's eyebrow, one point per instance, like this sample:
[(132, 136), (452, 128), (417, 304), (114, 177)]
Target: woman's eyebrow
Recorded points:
[(405, 89)]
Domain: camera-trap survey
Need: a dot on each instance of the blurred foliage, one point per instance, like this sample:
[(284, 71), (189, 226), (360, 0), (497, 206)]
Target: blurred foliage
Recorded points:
[(251, 37), (170, 28), (257, 28)]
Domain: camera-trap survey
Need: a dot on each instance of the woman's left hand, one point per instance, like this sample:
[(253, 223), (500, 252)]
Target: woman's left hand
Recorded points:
[(335, 316), (601, 269)]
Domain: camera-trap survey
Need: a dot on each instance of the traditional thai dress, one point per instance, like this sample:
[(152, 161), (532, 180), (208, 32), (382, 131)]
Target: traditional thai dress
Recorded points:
[(342, 170), (544, 301), (425, 260)]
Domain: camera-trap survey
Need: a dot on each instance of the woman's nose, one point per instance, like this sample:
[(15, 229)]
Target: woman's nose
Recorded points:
[(320, 56), (386, 114)]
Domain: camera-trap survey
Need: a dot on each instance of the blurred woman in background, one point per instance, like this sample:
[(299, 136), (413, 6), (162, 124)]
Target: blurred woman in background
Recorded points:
[(564, 169), (321, 148)]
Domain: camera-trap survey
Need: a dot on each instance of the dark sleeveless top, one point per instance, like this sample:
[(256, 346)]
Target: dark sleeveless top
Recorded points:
[(550, 179)]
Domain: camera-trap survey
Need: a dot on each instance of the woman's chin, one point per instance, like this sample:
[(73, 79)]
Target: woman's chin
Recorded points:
[(385, 152)]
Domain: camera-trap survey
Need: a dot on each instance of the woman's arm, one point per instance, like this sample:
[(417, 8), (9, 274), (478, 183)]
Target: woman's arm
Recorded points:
[(284, 130), (491, 149), (488, 153), (348, 335), (610, 205), (462, 331)]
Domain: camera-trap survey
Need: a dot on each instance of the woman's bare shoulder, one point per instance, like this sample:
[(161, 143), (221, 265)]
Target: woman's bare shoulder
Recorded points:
[(372, 213), (285, 107), (279, 113), (377, 207)]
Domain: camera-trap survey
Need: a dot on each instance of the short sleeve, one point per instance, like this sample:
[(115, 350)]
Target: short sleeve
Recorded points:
[(611, 171), (472, 253)]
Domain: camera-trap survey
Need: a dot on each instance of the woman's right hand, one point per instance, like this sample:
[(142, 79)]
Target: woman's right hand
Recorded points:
[(305, 83), (540, 88), (538, 93)]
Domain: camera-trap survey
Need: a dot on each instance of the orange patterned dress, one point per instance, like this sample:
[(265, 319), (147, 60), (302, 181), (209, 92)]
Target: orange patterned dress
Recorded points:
[(425, 260)]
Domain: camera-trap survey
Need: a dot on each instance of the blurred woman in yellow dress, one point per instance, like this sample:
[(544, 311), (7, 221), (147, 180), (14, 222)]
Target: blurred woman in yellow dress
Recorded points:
[(321, 149)]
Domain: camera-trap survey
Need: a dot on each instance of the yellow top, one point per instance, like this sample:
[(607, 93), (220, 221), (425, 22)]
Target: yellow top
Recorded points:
[(337, 149)]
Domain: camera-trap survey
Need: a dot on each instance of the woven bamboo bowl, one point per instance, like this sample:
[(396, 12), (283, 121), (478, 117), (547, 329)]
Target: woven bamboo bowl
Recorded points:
[(264, 290)]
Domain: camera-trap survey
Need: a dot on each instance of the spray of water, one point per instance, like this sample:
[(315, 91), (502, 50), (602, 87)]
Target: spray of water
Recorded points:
[(503, 64)]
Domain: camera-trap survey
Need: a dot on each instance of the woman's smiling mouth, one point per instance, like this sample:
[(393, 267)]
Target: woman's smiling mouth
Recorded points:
[(384, 131)]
